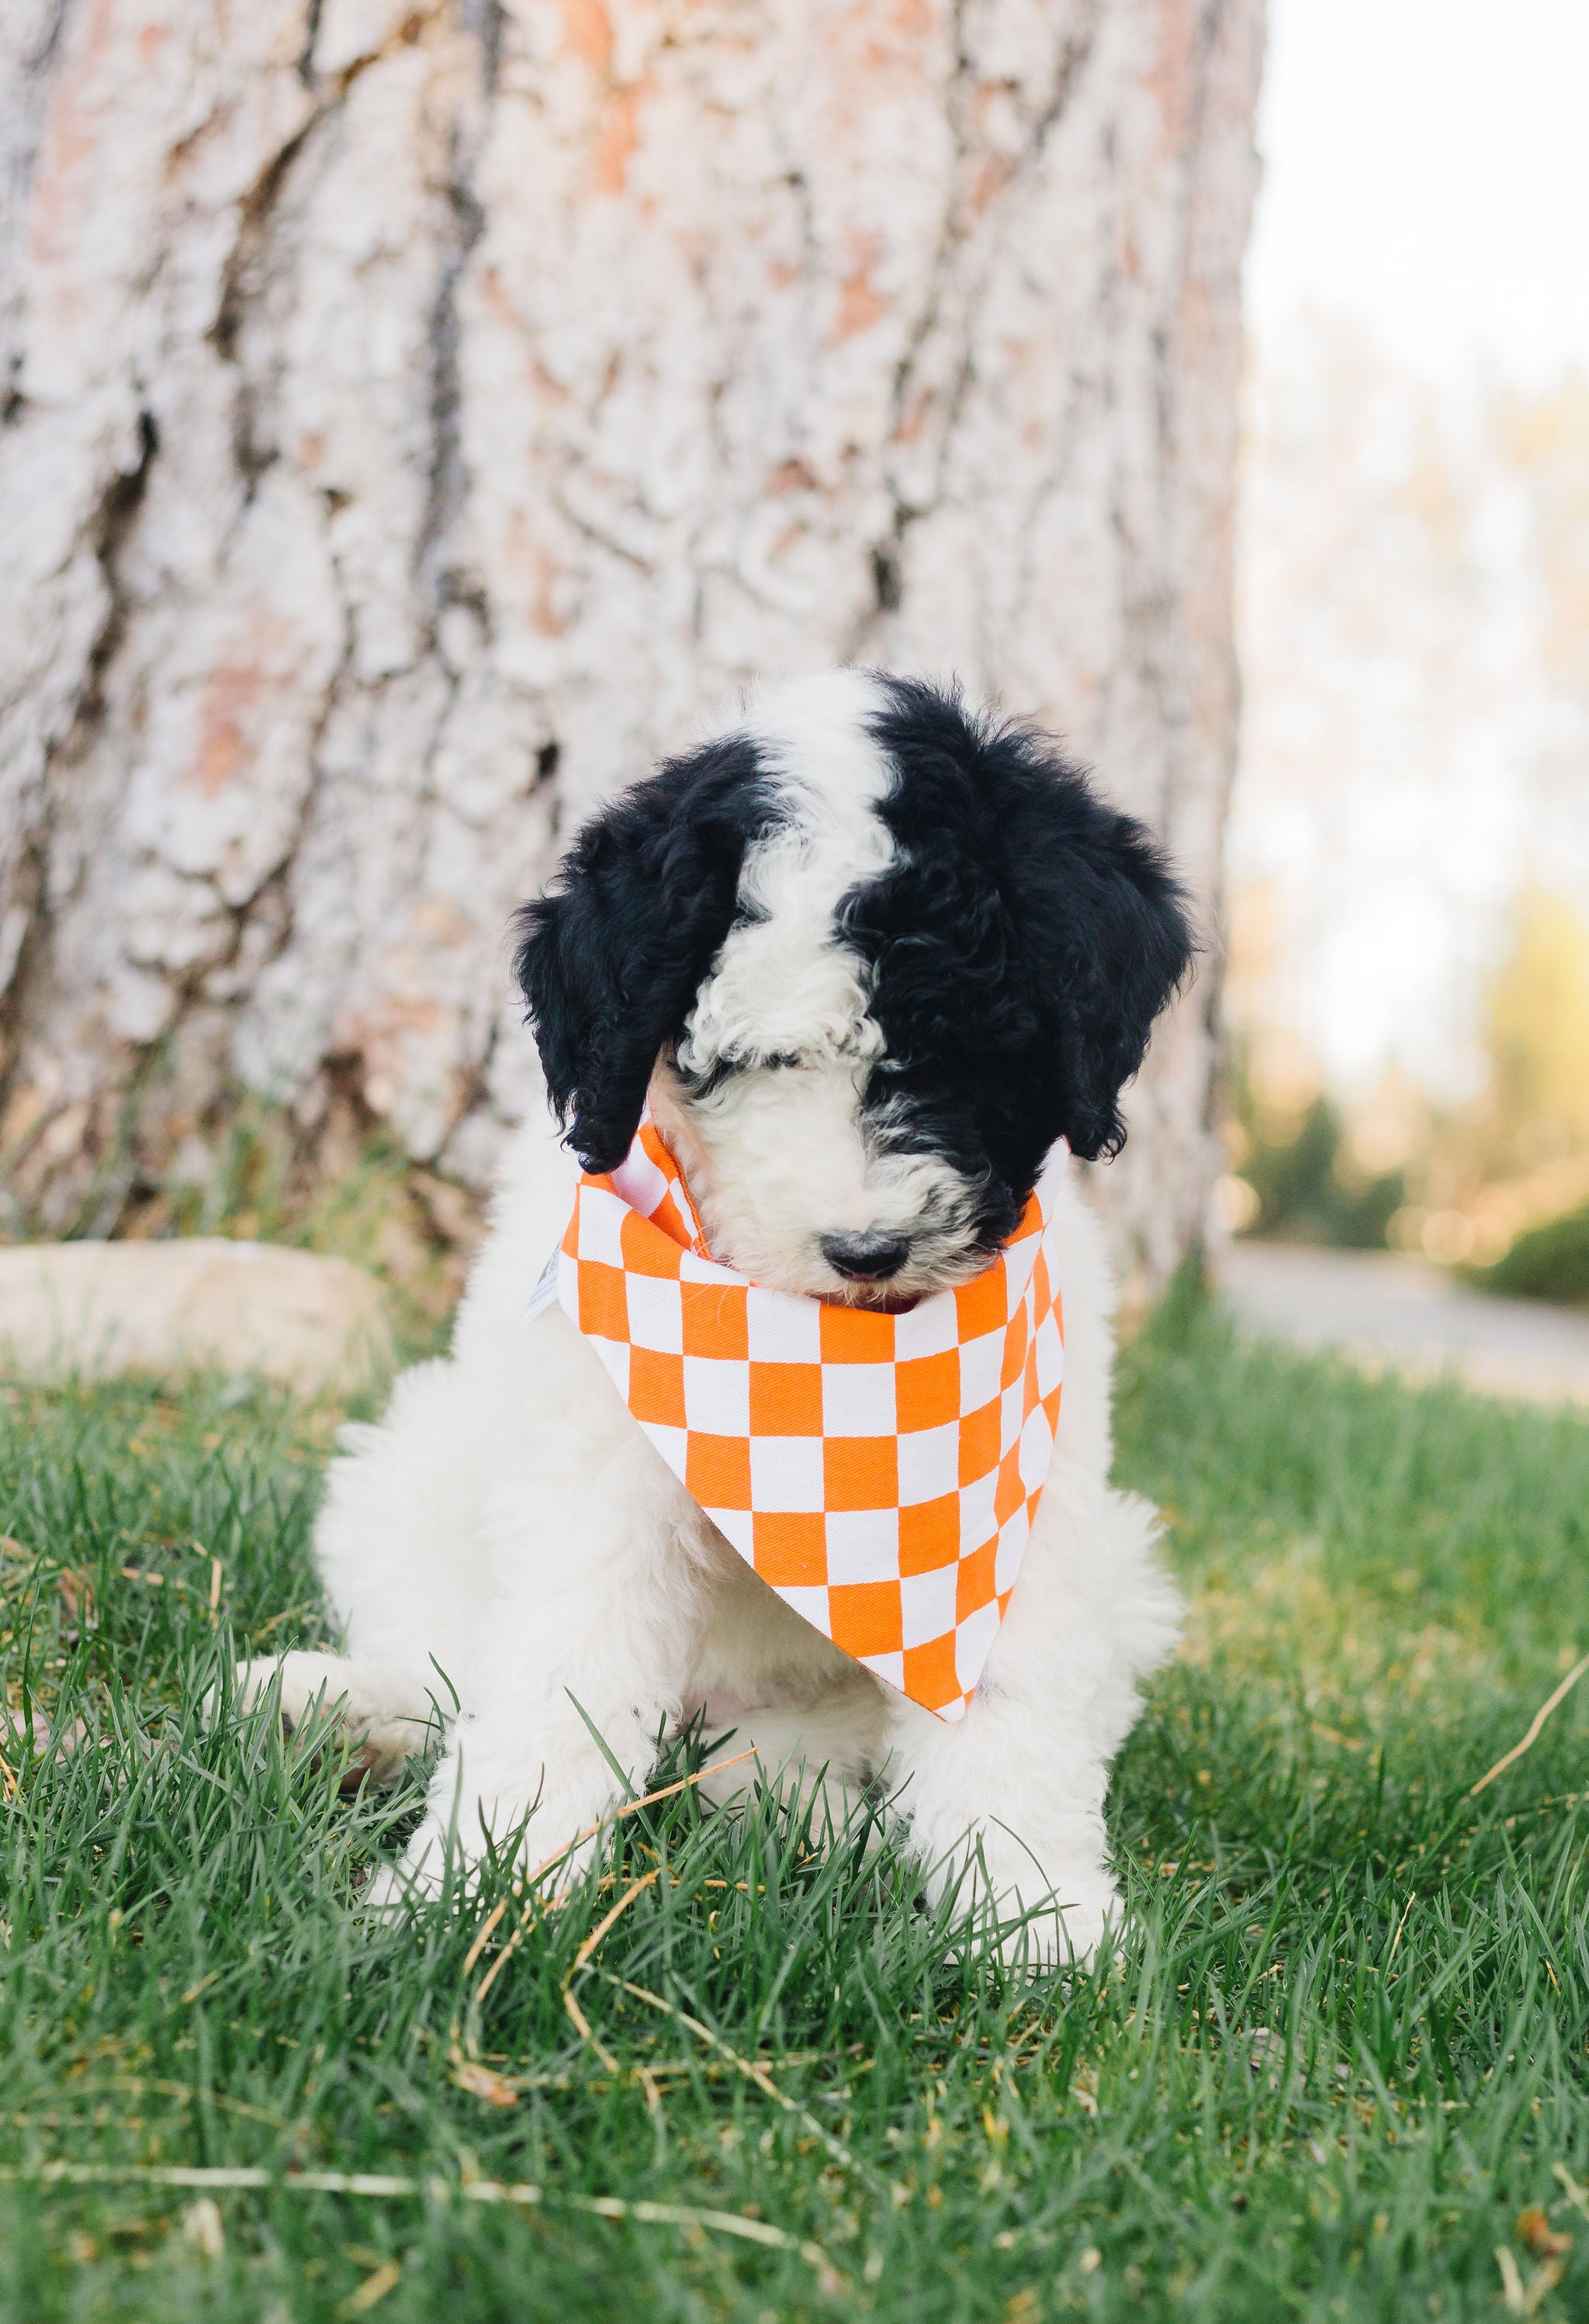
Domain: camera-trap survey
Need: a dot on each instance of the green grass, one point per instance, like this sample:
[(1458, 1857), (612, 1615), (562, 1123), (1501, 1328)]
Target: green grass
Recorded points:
[(1342, 2049)]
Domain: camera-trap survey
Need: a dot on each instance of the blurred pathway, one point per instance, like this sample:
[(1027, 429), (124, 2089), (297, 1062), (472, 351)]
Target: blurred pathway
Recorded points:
[(1408, 1316)]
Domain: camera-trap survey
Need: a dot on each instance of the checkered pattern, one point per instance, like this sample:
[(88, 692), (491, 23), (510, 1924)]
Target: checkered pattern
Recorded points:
[(880, 1472)]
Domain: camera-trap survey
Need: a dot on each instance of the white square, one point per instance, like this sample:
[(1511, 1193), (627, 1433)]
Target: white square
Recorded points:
[(783, 1330), (931, 1329), (858, 1400), (692, 1268), (981, 1363), (601, 1226), (973, 1643), (864, 1545), (672, 1444), (890, 1668), (810, 1604), (1011, 1414), (977, 1522), (656, 1313), (718, 1395), (1012, 1549), (930, 1463), (640, 1182), (738, 1528), (786, 1473), (1036, 1449), (1050, 1351), (927, 1600), (615, 1356)]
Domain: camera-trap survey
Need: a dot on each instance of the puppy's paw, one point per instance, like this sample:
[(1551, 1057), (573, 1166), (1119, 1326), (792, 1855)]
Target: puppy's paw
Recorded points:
[(326, 1691), (1066, 1930), (395, 1889), (304, 1682)]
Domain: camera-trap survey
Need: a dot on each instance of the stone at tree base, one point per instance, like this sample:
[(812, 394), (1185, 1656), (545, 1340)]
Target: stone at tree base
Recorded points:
[(93, 1310)]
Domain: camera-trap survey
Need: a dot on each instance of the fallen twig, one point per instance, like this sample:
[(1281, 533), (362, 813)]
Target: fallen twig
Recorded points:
[(378, 2183), (583, 1955), (1539, 1718), (753, 2070), (615, 1815)]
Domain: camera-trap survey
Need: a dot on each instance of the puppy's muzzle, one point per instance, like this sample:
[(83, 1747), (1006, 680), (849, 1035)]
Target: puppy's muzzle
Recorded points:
[(866, 1257)]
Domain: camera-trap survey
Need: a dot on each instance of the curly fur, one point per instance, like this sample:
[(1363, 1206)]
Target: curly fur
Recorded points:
[(869, 953)]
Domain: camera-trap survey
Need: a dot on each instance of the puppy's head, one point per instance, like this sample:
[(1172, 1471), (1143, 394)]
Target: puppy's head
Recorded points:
[(870, 954)]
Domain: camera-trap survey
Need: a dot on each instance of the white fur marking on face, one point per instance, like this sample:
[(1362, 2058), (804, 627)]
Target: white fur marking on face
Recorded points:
[(777, 1153), (782, 985)]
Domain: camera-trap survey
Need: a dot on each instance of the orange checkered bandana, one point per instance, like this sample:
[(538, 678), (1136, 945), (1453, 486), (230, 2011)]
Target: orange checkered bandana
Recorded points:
[(880, 1472)]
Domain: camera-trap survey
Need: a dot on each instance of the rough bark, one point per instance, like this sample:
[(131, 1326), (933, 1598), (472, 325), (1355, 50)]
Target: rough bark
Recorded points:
[(415, 413)]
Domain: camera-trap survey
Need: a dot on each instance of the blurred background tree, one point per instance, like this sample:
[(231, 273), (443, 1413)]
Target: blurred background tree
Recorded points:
[(1409, 982), (1410, 837), (416, 414)]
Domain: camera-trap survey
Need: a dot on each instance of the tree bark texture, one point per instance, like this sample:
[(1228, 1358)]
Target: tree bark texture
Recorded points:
[(416, 411)]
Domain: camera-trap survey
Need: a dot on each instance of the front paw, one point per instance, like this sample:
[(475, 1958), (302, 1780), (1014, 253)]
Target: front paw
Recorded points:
[(324, 1694), (1064, 1931), (443, 1858), (419, 1878)]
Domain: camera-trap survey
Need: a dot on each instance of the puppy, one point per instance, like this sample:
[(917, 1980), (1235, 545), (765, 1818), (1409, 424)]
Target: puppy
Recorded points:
[(867, 955)]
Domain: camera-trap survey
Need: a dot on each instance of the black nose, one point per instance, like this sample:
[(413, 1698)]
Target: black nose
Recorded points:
[(869, 1257)]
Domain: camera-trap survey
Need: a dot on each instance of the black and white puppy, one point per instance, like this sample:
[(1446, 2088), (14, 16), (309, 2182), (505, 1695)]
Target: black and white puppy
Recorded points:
[(867, 955)]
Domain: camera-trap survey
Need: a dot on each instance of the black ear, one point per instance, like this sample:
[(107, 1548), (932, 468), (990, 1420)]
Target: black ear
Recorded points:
[(1027, 931), (1105, 928), (610, 957)]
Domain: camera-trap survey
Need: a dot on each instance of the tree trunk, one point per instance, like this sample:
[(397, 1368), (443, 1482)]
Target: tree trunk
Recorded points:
[(415, 413)]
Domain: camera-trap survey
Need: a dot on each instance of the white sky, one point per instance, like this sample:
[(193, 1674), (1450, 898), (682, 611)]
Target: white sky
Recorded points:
[(1427, 175), (1426, 167)]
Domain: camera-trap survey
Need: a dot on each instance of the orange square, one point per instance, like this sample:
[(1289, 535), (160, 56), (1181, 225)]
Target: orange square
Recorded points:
[(786, 1399), (646, 1248), (656, 1387), (855, 1335), (604, 1302), (1051, 1407), (717, 1470), (931, 1676), (860, 1472), (973, 1587), (1008, 1492), (1015, 1339), (930, 1534), (979, 1442), (928, 1390), (979, 1304), (668, 1216), (714, 1321), (791, 1549), (867, 1616)]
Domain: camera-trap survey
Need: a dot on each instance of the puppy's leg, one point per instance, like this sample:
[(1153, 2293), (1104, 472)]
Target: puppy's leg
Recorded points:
[(824, 1752), (394, 1543), (1009, 1802), (596, 1626), (385, 1712)]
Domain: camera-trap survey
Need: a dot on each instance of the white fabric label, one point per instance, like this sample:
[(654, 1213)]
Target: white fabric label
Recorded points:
[(544, 1294)]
